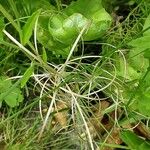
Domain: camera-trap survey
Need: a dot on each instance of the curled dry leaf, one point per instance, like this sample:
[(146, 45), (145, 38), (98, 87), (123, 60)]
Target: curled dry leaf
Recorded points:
[(61, 113), (142, 130), (114, 138), (94, 123)]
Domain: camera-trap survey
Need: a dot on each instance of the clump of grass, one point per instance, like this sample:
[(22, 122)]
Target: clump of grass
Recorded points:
[(79, 105), (77, 83)]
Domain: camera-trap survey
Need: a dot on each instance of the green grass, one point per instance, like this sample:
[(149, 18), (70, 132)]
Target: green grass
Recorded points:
[(76, 101)]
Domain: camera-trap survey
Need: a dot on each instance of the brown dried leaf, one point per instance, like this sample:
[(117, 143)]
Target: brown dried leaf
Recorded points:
[(114, 138), (61, 117), (95, 126), (142, 130)]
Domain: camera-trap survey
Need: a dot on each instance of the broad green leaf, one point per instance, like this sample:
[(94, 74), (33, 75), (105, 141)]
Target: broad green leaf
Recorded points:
[(14, 97), (144, 146), (141, 49), (130, 74), (43, 34), (145, 82), (27, 75), (94, 12), (133, 141), (28, 27), (10, 93), (144, 95), (136, 54), (64, 27), (142, 42), (85, 7), (137, 64), (147, 54), (139, 52), (69, 29), (5, 84), (146, 27), (144, 103)]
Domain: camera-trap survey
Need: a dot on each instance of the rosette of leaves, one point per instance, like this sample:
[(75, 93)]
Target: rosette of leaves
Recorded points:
[(58, 30)]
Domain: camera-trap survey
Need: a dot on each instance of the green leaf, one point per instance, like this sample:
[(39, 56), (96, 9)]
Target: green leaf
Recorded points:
[(43, 34), (136, 54), (147, 54), (5, 84), (142, 42), (146, 27), (144, 146), (9, 92), (79, 6), (139, 52), (14, 97), (64, 27), (133, 141), (44, 55), (130, 74), (27, 75), (28, 27), (143, 94), (67, 31), (95, 13), (144, 103)]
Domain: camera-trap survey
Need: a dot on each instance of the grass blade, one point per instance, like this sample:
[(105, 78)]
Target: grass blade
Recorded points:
[(28, 27), (27, 75)]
